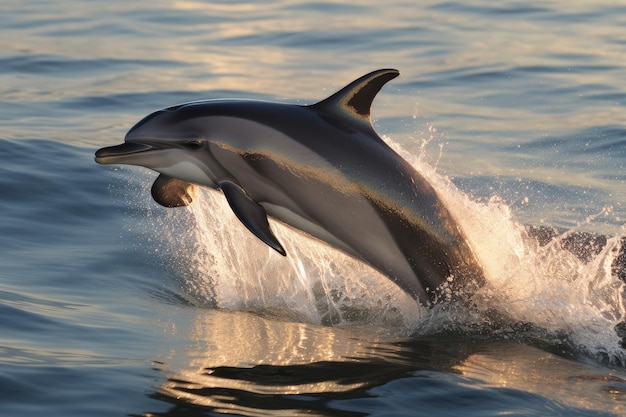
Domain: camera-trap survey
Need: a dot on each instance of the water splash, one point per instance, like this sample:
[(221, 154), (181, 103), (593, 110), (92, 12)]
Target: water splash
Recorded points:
[(565, 299), (229, 268), (549, 287)]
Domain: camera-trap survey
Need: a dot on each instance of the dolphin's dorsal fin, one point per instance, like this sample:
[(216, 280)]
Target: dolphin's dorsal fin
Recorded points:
[(251, 214), (172, 192), (356, 98)]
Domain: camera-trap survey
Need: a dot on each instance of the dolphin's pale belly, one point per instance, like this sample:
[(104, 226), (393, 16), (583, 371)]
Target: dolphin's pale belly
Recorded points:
[(190, 171)]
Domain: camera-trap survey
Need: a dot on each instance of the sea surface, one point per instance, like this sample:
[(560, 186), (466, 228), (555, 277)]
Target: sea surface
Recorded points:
[(111, 305)]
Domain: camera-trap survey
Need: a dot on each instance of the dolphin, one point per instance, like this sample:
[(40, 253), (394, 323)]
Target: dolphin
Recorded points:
[(320, 168)]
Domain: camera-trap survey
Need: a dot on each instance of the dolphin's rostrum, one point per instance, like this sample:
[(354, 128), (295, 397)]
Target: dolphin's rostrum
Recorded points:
[(320, 168)]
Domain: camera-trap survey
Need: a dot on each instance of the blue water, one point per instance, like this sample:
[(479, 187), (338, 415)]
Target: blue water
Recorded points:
[(113, 305)]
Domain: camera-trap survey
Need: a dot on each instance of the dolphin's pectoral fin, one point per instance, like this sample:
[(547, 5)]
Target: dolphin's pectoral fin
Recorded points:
[(251, 214), (172, 192), (356, 98)]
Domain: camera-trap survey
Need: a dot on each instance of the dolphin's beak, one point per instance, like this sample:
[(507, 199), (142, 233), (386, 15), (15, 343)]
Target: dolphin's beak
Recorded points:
[(117, 154)]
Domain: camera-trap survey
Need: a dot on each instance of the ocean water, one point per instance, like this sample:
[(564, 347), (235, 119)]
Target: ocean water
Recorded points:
[(112, 305)]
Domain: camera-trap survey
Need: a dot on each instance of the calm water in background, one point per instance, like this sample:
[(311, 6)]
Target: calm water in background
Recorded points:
[(111, 305)]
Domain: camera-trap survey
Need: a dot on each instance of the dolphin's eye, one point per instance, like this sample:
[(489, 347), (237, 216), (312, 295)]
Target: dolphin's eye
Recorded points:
[(193, 144)]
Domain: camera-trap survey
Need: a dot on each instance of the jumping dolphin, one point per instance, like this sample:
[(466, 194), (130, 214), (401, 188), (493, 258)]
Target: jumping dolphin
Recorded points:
[(320, 168)]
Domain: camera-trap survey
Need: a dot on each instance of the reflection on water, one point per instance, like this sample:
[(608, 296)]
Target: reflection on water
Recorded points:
[(528, 369), (240, 359), (245, 364)]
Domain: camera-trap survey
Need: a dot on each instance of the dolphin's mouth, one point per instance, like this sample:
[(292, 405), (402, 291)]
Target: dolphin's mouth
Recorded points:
[(112, 154)]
